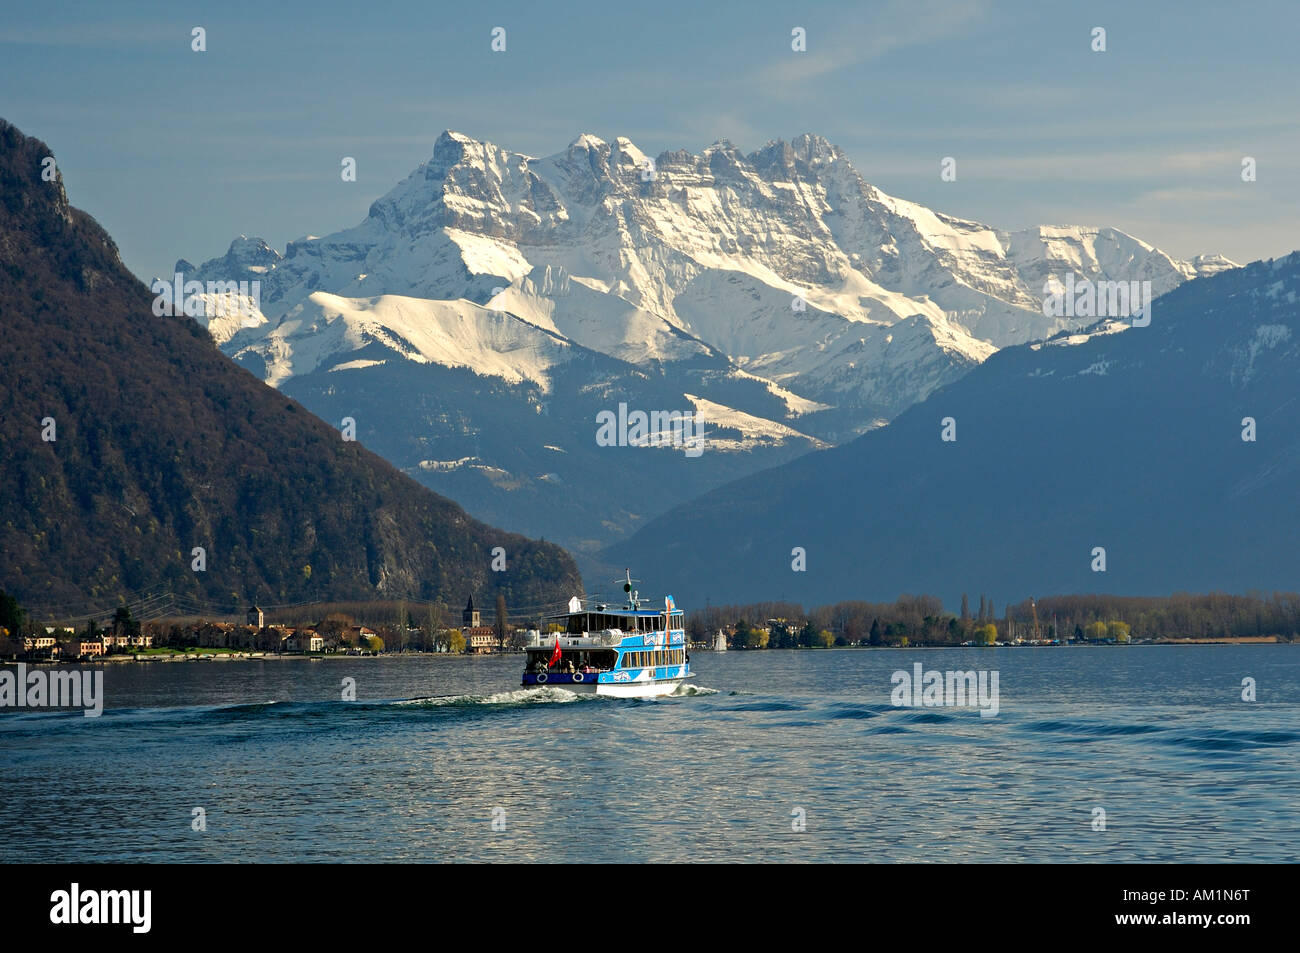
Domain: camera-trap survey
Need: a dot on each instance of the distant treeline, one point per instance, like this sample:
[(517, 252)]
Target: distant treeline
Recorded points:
[(922, 620), (1183, 615)]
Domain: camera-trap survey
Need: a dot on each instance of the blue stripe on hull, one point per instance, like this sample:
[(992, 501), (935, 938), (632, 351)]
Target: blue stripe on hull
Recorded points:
[(663, 673)]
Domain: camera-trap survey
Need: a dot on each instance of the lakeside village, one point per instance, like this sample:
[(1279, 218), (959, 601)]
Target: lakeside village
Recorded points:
[(124, 638), (369, 629)]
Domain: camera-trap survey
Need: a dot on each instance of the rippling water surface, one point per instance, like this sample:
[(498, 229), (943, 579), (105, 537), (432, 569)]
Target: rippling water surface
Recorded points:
[(436, 748)]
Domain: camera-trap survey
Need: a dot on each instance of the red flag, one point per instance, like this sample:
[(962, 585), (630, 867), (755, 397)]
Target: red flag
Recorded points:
[(555, 656)]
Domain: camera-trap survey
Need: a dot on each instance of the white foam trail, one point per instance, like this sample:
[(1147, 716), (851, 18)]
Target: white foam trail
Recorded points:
[(520, 696), (548, 694)]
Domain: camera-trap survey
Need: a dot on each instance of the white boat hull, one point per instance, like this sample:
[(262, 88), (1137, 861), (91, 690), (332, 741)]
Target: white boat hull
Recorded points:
[(647, 689), (641, 689)]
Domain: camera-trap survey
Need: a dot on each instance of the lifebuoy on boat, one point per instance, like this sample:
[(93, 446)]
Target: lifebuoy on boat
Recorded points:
[(541, 678), (577, 676)]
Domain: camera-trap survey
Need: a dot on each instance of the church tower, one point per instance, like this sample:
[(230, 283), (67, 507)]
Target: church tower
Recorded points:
[(470, 618)]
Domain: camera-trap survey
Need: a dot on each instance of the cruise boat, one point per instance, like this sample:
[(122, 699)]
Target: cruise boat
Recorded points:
[(628, 651)]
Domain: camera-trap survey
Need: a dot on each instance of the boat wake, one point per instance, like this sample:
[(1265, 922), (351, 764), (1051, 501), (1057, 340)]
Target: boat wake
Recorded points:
[(520, 696), (547, 695)]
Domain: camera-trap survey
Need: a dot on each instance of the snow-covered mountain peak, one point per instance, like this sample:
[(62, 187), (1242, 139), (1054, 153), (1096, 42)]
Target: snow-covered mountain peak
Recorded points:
[(626, 153), (245, 256), (451, 146), (586, 142), (785, 262)]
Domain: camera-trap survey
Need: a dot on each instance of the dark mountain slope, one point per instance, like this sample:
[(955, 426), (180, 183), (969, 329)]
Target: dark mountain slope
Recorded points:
[(163, 445), (1130, 441)]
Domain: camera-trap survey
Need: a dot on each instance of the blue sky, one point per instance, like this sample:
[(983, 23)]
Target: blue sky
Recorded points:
[(177, 152)]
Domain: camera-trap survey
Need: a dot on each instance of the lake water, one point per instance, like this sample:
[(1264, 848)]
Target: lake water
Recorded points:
[(772, 756)]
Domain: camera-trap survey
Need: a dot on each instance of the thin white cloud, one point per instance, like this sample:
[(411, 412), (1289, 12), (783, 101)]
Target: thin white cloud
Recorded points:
[(1066, 166), (1181, 196), (106, 35), (874, 33)]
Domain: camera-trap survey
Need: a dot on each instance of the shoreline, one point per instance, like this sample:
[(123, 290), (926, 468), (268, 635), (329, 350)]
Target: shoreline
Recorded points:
[(175, 657)]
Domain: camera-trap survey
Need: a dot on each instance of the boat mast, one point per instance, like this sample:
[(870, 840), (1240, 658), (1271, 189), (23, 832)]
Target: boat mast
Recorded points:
[(633, 602)]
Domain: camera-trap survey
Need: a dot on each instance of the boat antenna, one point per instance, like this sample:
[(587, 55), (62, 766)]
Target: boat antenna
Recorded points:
[(632, 601)]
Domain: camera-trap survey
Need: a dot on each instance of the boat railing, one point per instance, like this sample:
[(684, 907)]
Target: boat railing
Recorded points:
[(610, 637)]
